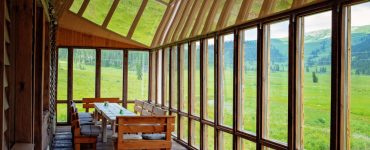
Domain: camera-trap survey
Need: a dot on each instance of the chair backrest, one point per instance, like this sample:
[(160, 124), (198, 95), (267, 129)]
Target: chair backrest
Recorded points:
[(138, 106), (145, 113), (145, 124), (148, 107), (158, 112), (88, 102)]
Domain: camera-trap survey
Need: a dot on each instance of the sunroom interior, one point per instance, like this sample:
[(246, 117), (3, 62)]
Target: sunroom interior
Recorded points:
[(185, 74)]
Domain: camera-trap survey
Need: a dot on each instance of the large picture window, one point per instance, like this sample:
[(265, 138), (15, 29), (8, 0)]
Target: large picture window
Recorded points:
[(138, 70), (314, 78), (62, 84), (84, 68), (275, 84), (111, 73)]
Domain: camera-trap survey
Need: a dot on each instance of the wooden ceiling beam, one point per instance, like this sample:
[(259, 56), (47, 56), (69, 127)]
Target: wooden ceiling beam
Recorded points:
[(167, 27), (162, 2), (137, 18), (110, 13), (83, 7), (267, 7), (297, 3), (200, 18), (194, 12), (184, 15), (161, 26), (225, 14), (243, 13), (176, 21), (62, 6), (210, 17)]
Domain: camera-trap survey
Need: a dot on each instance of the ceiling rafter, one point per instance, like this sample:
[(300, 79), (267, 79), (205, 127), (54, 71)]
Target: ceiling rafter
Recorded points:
[(184, 16), (61, 6), (267, 7), (137, 18), (210, 17), (164, 21), (170, 21), (110, 13), (200, 18), (225, 14), (243, 13), (83, 7), (162, 2), (196, 6), (176, 20)]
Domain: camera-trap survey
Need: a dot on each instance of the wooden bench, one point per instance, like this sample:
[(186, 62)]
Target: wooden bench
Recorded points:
[(89, 102), (146, 125)]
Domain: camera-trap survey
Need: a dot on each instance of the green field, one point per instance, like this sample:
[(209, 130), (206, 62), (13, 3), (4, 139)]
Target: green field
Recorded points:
[(316, 104)]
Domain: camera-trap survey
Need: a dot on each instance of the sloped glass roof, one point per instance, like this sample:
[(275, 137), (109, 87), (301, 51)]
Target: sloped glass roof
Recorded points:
[(141, 22)]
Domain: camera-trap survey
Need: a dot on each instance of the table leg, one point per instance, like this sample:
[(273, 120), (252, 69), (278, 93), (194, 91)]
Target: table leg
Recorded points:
[(113, 124), (104, 134)]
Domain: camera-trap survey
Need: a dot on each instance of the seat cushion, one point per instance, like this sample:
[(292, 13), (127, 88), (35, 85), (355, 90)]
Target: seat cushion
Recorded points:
[(83, 122), (90, 130), (128, 136), (84, 115), (155, 136)]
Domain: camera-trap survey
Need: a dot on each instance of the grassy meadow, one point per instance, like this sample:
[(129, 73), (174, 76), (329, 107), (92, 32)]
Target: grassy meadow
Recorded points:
[(316, 126)]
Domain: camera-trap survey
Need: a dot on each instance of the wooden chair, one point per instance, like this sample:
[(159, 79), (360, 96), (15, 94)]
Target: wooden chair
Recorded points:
[(148, 107), (143, 124), (158, 112), (145, 113), (86, 134), (138, 106)]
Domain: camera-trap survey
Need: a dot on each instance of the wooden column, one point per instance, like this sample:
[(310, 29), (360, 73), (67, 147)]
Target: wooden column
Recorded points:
[(23, 47), (292, 82), (125, 78), (98, 73), (2, 66), (69, 82)]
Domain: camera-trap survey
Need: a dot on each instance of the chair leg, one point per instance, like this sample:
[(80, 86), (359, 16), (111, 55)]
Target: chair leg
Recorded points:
[(77, 146)]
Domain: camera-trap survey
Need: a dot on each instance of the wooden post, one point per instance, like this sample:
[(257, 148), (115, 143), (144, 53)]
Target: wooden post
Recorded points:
[(69, 83), (98, 73), (125, 77), (2, 67)]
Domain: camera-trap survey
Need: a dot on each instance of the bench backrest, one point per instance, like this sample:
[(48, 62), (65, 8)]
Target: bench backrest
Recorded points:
[(158, 112), (88, 102), (145, 124), (148, 107), (138, 106)]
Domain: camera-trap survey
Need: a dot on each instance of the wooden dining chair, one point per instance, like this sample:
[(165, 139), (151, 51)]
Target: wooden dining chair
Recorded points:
[(158, 112)]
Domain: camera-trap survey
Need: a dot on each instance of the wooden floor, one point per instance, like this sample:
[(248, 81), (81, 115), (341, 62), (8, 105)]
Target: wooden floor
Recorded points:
[(63, 141)]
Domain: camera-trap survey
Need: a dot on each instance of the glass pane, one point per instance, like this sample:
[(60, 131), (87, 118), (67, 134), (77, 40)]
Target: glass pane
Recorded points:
[(234, 12), (185, 79), (225, 140), (210, 79), (111, 73), (227, 71), (167, 76), (149, 22), (209, 137), (247, 145), (196, 78), (84, 67), (174, 133), (184, 128), (62, 74), (138, 75), (62, 112), (217, 15), (131, 106), (360, 78), (124, 15), (174, 78), (76, 5), (281, 5), (249, 79), (97, 10), (315, 80), (276, 85), (195, 134), (159, 77), (255, 9)]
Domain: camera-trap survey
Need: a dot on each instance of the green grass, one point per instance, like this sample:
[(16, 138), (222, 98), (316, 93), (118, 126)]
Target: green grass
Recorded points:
[(316, 105)]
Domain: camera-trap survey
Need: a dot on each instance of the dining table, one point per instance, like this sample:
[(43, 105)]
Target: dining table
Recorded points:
[(109, 113)]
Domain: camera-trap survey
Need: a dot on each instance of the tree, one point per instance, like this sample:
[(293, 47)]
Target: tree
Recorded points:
[(314, 78)]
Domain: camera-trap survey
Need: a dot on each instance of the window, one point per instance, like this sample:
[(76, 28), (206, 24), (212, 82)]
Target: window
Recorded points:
[(184, 122), (62, 74), (184, 62), (313, 84), (138, 70), (245, 144), (166, 79), (84, 67), (174, 78), (357, 74), (275, 86), (209, 137), (123, 16), (76, 5), (210, 82), (62, 113), (111, 73), (174, 133), (96, 11), (249, 80), (159, 77), (195, 74), (281, 5), (226, 45), (195, 126), (225, 140)]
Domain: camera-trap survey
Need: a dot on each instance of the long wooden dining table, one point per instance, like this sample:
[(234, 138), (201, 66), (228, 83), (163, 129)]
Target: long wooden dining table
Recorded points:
[(110, 113)]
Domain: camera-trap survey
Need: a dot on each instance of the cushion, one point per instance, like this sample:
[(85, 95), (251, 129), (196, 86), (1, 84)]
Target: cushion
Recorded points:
[(90, 130), (155, 136), (86, 119), (83, 122), (84, 115), (128, 136)]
